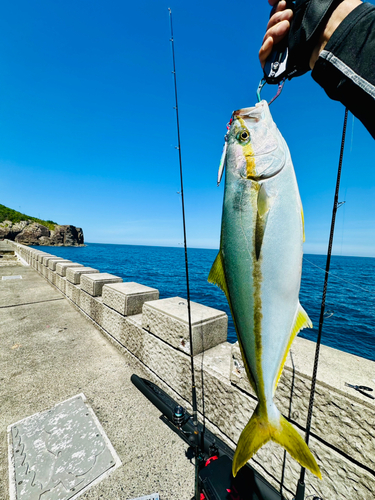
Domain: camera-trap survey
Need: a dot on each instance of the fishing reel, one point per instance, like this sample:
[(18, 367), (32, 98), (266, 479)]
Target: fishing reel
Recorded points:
[(178, 416)]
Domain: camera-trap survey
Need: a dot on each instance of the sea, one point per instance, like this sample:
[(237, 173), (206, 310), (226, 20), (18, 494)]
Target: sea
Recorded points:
[(349, 321)]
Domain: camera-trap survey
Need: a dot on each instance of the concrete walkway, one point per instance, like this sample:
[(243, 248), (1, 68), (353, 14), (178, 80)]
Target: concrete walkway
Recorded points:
[(49, 353)]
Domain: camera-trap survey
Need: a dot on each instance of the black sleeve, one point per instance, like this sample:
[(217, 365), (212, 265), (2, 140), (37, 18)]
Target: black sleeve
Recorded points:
[(346, 67)]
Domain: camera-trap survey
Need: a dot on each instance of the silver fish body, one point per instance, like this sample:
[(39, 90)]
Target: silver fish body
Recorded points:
[(259, 269)]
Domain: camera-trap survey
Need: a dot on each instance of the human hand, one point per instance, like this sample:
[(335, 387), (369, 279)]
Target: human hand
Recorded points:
[(277, 28), (279, 24)]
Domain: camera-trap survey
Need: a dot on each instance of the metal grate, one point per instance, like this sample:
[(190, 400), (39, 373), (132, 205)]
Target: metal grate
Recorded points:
[(58, 453), (153, 496)]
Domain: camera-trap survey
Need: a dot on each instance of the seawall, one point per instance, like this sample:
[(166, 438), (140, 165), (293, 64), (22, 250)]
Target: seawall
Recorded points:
[(155, 333)]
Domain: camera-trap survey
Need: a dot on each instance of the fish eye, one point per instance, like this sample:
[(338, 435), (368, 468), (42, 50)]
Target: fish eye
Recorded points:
[(243, 136)]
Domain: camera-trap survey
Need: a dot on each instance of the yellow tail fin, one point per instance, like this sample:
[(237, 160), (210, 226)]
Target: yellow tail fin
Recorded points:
[(260, 430)]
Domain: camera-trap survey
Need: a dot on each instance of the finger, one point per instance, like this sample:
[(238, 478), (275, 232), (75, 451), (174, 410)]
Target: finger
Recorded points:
[(265, 50), (278, 7), (273, 2), (278, 31), (285, 15)]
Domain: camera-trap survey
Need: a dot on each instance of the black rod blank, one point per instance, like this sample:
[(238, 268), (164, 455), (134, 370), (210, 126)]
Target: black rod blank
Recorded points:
[(193, 386)]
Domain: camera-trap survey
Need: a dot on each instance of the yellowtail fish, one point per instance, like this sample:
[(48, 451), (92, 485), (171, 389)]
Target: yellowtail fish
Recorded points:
[(259, 269)]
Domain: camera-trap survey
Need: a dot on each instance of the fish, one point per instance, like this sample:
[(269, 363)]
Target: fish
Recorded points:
[(259, 267)]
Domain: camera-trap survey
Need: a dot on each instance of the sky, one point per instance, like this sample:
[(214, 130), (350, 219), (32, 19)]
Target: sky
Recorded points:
[(88, 126)]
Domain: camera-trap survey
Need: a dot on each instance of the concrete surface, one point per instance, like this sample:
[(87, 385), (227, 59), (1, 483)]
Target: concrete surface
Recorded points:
[(168, 319), (93, 283), (343, 435), (128, 298), (49, 353), (52, 262), (61, 267), (73, 274)]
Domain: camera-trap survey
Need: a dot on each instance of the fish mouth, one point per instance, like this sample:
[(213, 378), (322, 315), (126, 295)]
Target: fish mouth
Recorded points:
[(253, 113)]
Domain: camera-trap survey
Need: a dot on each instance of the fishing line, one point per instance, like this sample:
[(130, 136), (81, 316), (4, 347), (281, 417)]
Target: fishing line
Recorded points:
[(193, 387), (300, 494), (338, 277), (351, 141), (289, 417)]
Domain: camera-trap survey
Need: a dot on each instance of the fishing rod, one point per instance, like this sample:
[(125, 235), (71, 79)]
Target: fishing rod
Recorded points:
[(213, 457), (300, 493), (193, 386)]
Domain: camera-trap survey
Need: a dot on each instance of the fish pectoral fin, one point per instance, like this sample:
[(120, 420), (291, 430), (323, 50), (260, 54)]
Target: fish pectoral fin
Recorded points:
[(260, 430), (217, 274), (301, 321), (265, 200), (264, 204)]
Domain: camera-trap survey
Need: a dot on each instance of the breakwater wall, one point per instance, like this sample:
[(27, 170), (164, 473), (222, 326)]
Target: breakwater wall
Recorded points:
[(156, 333)]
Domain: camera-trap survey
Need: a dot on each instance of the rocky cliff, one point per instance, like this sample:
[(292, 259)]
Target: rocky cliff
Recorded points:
[(28, 232)]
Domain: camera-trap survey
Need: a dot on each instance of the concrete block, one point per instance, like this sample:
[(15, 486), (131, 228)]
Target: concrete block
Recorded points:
[(93, 283), (51, 276), (61, 267), (60, 283), (128, 298), (134, 336), (52, 262), (113, 322), (168, 320), (92, 306), (40, 256), (73, 274), (171, 365), (127, 331), (46, 257), (73, 292)]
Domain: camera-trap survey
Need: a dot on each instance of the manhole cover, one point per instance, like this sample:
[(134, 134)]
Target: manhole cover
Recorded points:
[(11, 278), (56, 454)]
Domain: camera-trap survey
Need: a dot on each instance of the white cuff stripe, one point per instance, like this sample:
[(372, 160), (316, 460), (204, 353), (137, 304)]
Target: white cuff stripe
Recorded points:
[(358, 80)]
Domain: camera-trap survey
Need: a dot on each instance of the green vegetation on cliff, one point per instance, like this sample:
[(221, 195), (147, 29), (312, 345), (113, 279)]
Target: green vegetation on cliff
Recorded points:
[(14, 216)]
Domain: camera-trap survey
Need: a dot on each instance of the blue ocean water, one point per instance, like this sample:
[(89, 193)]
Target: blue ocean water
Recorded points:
[(350, 293)]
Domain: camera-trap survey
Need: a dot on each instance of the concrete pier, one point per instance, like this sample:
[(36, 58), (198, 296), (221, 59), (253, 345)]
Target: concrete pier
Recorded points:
[(49, 353), (151, 340)]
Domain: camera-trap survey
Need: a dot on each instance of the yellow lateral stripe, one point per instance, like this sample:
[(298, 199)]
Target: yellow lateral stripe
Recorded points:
[(248, 154)]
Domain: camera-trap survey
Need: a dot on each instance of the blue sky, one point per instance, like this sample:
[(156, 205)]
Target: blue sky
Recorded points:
[(88, 133)]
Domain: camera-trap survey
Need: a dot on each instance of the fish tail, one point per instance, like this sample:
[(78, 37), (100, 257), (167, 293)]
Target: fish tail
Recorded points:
[(260, 430)]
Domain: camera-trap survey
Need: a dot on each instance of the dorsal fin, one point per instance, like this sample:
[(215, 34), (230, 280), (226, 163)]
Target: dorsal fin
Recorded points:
[(301, 321)]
